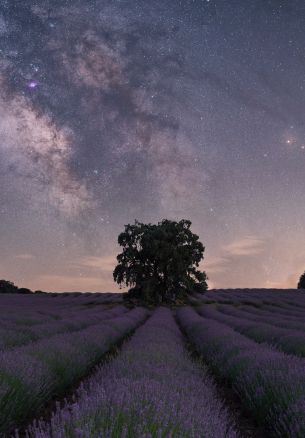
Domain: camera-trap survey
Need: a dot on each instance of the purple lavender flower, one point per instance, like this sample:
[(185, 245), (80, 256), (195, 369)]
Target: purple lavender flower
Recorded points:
[(152, 389), (30, 375), (271, 383)]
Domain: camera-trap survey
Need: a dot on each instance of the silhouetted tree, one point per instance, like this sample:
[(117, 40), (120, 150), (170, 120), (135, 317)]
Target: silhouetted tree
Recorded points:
[(8, 287), (24, 290), (301, 284), (159, 261)]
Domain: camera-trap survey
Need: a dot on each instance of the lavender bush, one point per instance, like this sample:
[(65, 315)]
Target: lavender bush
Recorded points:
[(288, 340), (270, 383), (31, 375), (291, 299), (152, 389), (13, 335), (286, 313), (268, 317)]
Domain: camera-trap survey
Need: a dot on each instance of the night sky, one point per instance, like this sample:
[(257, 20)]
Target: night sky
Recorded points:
[(112, 111)]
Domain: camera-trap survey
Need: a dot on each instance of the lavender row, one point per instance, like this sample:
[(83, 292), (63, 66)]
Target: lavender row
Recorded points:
[(33, 374), (258, 315), (270, 383), (152, 389), (290, 298), (97, 297), (287, 313), (29, 310), (28, 313), (13, 336), (289, 341)]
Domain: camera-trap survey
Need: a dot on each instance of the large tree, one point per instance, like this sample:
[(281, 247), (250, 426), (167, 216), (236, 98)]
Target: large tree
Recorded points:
[(301, 284), (159, 261)]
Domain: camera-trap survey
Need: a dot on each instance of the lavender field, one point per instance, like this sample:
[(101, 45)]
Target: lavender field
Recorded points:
[(230, 363)]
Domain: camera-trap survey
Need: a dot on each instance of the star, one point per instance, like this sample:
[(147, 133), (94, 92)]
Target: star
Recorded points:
[(32, 85), (115, 112), (35, 67)]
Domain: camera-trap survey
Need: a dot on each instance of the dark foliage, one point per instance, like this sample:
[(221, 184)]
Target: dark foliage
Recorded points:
[(24, 290), (301, 284), (159, 261), (8, 287)]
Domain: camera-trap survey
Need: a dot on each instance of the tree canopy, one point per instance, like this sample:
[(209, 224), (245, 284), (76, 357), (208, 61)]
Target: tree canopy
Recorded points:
[(8, 287), (301, 284), (159, 261)]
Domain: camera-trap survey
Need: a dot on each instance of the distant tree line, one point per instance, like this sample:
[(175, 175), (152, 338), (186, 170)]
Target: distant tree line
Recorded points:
[(8, 287)]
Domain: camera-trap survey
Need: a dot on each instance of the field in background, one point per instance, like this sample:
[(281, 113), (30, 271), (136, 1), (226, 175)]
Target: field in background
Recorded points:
[(249, 345)]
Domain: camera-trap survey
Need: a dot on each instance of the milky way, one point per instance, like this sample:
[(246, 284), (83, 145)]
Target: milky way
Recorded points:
[(112, 111)]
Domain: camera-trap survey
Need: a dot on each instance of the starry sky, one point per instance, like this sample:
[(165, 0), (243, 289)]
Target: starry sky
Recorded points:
[(116, 110)]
